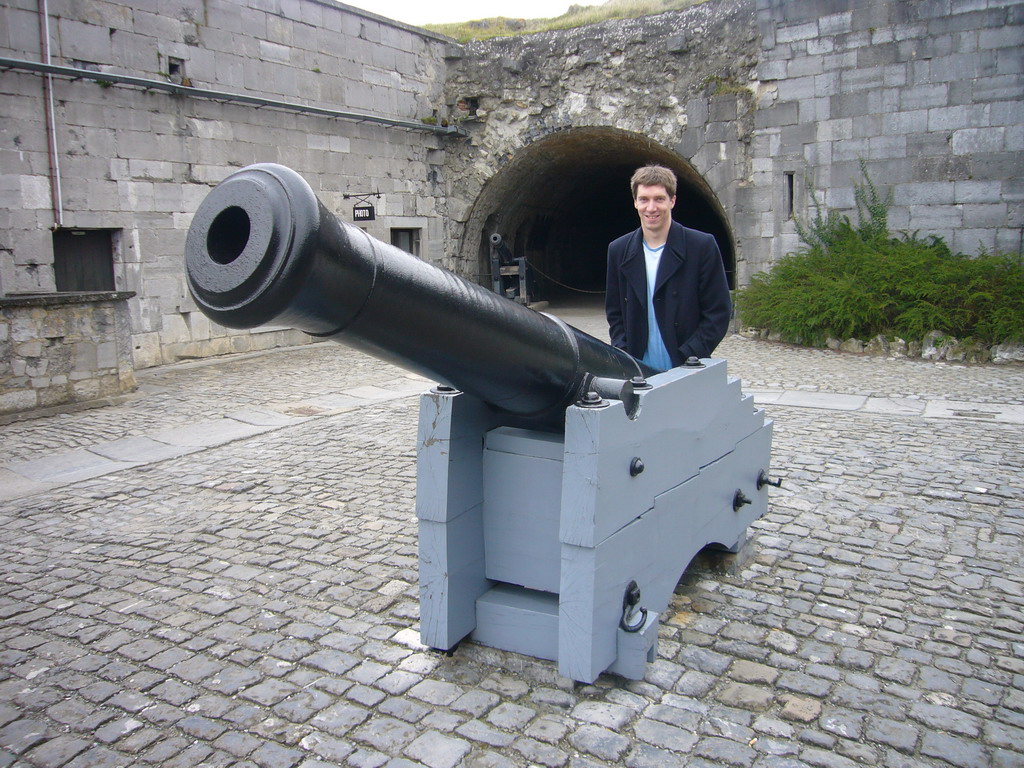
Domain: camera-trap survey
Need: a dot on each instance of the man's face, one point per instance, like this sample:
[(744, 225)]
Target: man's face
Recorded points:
[(655, 208)]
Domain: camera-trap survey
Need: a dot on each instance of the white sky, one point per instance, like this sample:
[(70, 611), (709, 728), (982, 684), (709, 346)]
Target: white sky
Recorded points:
[(419, 12)]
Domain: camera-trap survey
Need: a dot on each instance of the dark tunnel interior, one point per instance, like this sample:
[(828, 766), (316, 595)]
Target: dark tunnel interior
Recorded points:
[(561, 200)]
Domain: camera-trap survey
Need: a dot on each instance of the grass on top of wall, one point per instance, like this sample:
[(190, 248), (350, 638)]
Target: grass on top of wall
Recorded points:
[(859, 281), (576, 16)]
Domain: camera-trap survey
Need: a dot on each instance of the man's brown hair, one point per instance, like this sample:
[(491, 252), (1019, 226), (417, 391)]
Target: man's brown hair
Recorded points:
[(654, 175)]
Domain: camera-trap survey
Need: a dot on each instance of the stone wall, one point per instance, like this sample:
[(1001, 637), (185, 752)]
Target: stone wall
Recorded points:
[(66, 348), (928, 94), (139, 162)]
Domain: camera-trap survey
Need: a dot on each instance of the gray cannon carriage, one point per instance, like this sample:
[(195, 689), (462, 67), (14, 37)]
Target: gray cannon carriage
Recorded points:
[(562, 487)]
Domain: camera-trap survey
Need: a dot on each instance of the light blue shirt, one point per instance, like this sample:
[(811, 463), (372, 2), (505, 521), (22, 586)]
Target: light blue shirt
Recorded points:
[(656, 355)]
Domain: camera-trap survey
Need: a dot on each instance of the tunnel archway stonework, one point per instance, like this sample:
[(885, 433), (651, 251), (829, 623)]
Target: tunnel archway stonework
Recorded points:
[(558, 122), (560, 200), (764, 108)]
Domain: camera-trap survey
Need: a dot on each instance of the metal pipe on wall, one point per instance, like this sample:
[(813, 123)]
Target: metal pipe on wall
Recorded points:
[(51, 122), (190, 91)]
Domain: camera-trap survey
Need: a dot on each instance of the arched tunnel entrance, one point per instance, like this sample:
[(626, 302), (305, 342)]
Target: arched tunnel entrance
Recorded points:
[(562, 199)]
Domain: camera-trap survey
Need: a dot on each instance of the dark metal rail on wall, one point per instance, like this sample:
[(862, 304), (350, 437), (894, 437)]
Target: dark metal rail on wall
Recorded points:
[(110, 78)]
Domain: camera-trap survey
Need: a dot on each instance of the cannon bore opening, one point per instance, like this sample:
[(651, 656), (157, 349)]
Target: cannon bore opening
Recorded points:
[(562, 199), (229, 234)]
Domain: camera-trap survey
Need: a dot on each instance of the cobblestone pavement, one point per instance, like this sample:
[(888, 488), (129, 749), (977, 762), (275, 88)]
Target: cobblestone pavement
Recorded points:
[(236, 586)]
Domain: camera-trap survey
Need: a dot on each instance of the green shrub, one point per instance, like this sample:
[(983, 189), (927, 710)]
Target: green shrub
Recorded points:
[(858, 281)]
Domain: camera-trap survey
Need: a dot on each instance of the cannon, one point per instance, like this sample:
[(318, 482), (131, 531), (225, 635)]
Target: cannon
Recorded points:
[(562, 486), (509, 274)]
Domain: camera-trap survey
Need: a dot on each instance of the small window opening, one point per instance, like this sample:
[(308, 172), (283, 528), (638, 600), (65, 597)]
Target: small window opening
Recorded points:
[(467, 106), (789, 191), (175, 69), (83, 260), (406, 239)]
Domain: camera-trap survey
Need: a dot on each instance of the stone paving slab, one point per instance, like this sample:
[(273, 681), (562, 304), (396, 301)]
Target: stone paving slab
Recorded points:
[(14, 485), (355, 397), (205, 434), (318, 406), (949, 409), (139, 450), (67, 467), (261, 417), (800, 399), (897, 406), (938, 409), (380, 393)]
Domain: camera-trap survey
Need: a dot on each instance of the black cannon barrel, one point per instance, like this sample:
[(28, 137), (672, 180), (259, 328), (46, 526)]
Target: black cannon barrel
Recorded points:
[(263, 249)]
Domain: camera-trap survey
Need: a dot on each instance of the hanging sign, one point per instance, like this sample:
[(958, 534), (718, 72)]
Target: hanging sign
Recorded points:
[(363, 212)]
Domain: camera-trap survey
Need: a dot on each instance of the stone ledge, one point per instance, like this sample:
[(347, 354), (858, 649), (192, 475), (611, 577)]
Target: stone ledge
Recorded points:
[(57, 348), (55, 299)]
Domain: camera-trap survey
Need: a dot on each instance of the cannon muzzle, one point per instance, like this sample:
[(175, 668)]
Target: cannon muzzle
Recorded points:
[(263, 249)]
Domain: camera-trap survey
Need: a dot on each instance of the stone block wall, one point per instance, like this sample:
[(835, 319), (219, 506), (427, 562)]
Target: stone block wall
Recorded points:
[(61, 349), (928, 94), (139, 162)]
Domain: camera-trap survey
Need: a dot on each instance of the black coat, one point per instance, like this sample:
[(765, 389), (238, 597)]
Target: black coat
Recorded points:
[(691, 295)]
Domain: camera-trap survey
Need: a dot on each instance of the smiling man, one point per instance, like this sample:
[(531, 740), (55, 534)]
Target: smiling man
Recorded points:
[(667, 296)]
